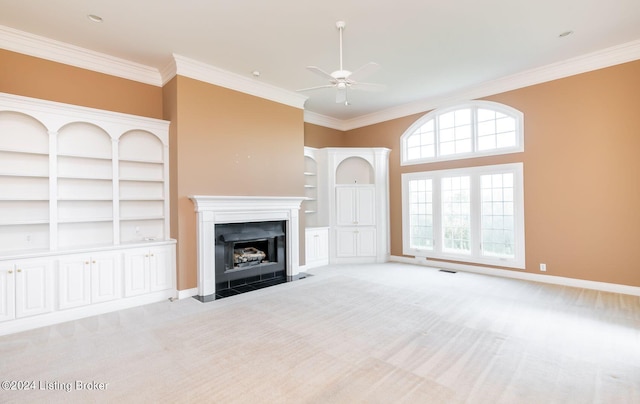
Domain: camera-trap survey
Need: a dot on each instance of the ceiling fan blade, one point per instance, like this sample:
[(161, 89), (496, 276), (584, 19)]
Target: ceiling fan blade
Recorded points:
[(368, 86), (316, 87), (364, 71), (341, 96), (321, 73)]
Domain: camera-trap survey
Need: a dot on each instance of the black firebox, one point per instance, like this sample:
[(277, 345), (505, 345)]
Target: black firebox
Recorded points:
[(249, 255)]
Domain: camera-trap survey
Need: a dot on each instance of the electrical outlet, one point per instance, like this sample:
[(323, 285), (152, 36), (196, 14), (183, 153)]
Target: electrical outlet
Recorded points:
[(543, 267)]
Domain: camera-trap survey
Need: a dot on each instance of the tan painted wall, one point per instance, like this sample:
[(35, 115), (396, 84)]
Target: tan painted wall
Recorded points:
[(319, 136), (38, 78), (581, 173), (230, 143)]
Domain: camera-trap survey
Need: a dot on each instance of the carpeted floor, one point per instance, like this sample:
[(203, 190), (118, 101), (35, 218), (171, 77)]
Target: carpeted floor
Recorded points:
[(389, 333)]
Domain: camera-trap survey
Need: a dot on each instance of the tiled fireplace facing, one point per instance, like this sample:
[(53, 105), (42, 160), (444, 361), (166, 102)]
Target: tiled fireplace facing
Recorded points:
[(214, 212)]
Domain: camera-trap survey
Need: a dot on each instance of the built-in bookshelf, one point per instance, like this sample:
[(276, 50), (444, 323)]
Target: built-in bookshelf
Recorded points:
[(84, 212), (78, 178)]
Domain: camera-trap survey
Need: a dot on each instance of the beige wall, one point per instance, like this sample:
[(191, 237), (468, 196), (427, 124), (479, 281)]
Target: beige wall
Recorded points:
[(230, 143), (39, 78), (319, 136), (581, 167), (581, 173), (222, 142)]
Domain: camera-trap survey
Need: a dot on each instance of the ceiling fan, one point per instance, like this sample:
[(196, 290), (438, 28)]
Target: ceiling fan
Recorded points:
[(342, 79)]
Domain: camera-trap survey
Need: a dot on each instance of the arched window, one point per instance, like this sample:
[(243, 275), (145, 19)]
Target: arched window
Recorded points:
[(472, 129)]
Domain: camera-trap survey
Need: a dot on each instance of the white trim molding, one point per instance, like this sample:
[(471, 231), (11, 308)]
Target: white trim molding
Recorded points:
[(607, 57), (527, 276), (186, 293), (212, 210), (213, 75), (61, 52)]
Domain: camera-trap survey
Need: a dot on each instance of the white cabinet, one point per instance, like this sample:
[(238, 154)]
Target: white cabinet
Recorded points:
[(7, 291), (147, 270), (26, 288), (79, 189), (359, 204), (355, 205), (355, 242), (316, 246), (86, 279)]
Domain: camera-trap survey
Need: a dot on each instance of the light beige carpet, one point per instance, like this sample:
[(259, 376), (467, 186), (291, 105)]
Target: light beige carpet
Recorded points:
[(389, 333)]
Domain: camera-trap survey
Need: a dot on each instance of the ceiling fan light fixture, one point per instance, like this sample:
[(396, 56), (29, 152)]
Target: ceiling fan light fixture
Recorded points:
[(342, 79)]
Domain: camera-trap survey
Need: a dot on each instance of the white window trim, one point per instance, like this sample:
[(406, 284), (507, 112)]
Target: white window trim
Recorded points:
[(474, 105), (476, 255)]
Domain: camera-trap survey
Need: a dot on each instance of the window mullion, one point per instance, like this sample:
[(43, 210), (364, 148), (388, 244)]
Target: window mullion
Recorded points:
[(474, 129), (476, 219), (436, 136), (437, 215)]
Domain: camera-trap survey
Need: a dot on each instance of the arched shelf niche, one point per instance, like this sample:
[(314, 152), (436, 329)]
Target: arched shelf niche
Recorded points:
[(354, 170)]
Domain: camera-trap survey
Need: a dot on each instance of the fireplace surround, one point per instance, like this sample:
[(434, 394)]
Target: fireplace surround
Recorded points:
[(215, 211)]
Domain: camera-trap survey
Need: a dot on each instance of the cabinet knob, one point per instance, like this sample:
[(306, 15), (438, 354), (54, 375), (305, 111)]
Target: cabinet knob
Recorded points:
[(9, 271), (93, 261), (152, 255), (146, 255), (19, 270), (86, 262)]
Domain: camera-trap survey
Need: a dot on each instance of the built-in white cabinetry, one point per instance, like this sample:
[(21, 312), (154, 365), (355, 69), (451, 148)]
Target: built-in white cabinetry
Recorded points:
[(316, 246), (147, 270), (89, 278), (352, 197), (26, 288), (355, 205), (80, 188), (352, 242)]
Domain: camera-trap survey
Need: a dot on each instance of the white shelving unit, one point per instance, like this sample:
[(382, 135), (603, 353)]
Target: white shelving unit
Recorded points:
[(79, 183), (349, 190)]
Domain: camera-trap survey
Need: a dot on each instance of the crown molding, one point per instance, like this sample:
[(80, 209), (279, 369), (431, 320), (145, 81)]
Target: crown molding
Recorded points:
[(323, 120), (611, 56), (223, 78), (61, 52)]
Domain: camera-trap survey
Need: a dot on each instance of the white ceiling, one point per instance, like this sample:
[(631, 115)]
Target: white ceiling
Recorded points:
[(427, 49)]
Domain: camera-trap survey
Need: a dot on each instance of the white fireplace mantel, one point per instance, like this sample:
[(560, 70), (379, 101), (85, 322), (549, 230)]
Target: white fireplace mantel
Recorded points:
[(212, 210)]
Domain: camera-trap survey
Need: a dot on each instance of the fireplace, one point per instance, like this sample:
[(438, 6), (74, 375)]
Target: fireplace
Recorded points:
[(267, 224), (249, 253)]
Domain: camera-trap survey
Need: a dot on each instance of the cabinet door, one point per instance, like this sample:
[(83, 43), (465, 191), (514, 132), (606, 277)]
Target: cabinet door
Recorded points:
[(355, 206), (7, 291), (317, 247), (136, 273), (160, 268), (345, 206), (311, 246), (366, 242), (106, 278), (365, 206), (34, 288), (346, 242), (74, 282)]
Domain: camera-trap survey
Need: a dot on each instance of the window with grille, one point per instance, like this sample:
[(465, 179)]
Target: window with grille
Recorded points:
[(473, 214), (478, 128)]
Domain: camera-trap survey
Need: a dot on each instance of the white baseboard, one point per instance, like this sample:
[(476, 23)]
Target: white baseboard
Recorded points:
[(555, 280), (187, 293)]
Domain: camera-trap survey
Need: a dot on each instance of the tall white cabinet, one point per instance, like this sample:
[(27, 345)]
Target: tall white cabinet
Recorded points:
[(352, 200), (81, 189)]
